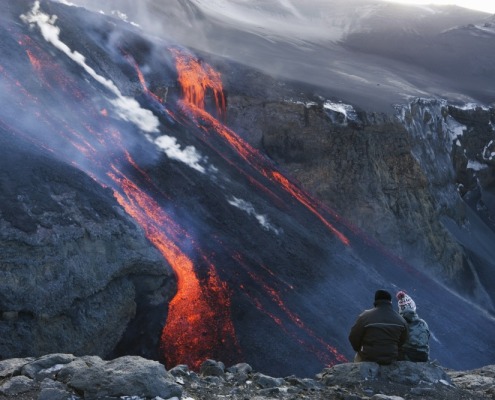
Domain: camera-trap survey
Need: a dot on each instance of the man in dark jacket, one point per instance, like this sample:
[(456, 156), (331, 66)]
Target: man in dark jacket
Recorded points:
[(378, 333)]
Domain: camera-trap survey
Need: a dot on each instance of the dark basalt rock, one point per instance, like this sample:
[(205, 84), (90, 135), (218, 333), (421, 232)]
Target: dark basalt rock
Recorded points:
[(396, 177), (76, 270), (140, 379)]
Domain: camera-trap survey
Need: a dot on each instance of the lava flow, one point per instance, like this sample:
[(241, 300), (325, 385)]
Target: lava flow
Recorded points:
[(198, 323), (81, 132), (195, 78)]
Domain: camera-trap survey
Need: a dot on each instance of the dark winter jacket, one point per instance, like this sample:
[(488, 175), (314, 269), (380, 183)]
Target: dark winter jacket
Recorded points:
[(378, 333), (416, 347)]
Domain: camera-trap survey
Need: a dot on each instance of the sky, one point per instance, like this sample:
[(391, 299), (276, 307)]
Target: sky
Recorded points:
[(481, 5)]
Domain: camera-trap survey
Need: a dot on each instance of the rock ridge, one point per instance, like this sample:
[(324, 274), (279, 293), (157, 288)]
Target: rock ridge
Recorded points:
[(76, 270)]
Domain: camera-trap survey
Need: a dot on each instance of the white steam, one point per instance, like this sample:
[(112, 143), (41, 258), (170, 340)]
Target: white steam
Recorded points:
[(249, 209), (172, 149), (126, 107)]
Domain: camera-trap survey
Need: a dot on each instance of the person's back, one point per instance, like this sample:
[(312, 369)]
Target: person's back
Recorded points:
[(416, 347), (378, 333)]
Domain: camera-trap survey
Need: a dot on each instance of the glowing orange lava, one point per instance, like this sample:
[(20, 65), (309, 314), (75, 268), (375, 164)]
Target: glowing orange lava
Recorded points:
[(196, 78), (198, 324), (276, 299)]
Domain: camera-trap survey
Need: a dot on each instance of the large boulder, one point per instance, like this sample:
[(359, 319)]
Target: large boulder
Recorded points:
[(400, 372), (75, 270), (125, 376)]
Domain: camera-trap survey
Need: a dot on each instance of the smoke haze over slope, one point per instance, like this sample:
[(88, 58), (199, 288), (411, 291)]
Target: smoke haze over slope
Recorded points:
[(366, 53)]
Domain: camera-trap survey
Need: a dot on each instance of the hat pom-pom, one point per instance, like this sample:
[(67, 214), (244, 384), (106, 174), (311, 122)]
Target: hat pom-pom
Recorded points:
[(401, 295)]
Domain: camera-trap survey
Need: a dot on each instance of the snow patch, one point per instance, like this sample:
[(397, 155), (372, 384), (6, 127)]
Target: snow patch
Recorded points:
[(189, 155), (67, 3), (249, 209), (454, 128), (476, 165), (489, 151), (346, 110), (306, 104), (127, 107), (123, 17)]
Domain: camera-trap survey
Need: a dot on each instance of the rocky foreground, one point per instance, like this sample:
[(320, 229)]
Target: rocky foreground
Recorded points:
[(66, 377)]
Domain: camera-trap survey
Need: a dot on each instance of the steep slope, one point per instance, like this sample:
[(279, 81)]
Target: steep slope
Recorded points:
[(368, 53), (265, 273)]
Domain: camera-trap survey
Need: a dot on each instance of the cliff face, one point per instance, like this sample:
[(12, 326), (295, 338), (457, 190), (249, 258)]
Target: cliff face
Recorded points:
[(408, 178), (76, 271)]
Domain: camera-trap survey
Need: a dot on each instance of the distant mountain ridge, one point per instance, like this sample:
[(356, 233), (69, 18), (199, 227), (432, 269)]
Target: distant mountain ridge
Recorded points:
[(368, 53)]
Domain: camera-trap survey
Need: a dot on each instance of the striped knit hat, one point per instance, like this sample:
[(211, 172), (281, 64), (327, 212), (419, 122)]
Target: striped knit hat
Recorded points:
[(406, 303)]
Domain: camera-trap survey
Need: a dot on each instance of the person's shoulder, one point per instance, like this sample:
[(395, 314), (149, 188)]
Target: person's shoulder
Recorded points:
[(366, 312), (423, 322)]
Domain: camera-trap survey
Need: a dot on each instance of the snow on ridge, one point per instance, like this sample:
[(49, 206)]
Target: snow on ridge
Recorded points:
[(124, 17), (127, 107), (67, 3), (476, 165), (346, 110), (472, 106)]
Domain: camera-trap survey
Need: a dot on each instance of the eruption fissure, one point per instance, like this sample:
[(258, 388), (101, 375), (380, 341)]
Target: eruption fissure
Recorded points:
[(196, 78)]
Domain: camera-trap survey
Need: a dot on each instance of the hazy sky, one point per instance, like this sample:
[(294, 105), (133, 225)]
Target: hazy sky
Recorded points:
[(482, 5)]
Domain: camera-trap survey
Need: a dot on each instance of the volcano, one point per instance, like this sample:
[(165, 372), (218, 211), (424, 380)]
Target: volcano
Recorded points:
[(264, 271)]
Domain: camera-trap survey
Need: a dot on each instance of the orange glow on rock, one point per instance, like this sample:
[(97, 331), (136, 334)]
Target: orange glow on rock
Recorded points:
[(198, 325), (196, 78), (306, 200)]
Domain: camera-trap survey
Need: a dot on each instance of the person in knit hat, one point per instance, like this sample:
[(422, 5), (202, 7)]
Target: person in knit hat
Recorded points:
[(416, 347), (378, 333)]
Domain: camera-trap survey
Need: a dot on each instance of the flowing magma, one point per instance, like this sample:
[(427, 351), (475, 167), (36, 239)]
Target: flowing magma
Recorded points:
[(199, 323)]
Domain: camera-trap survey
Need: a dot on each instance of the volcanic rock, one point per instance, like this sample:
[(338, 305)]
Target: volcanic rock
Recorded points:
[(274, 273), (76, 271), (140, 379), (125, 376), (403, 178)]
